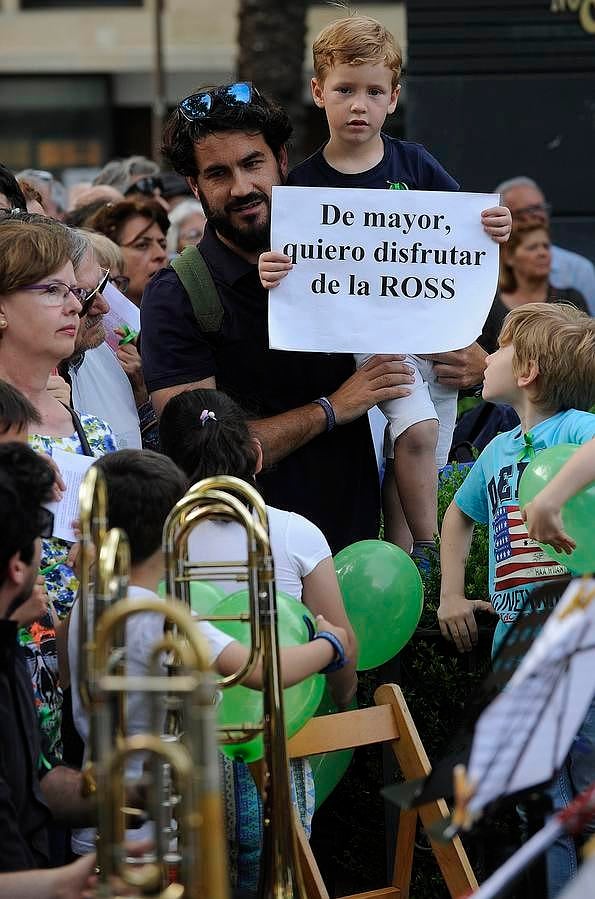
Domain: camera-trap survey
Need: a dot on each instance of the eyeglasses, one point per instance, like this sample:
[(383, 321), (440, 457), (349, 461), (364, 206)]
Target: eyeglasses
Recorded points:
[(45, 522), (55, 293), (121, 282), (146, 186), (535, 209), (198, 106), (88, 296)]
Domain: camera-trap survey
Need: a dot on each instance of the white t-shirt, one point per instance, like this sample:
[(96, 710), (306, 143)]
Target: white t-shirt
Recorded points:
[(297, 546), (101, 387), (142, 633)]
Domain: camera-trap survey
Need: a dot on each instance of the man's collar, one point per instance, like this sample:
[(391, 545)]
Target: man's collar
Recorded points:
[(229, 266)]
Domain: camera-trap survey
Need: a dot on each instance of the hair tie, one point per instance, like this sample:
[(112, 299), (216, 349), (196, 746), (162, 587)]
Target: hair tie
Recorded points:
[(205, 415)]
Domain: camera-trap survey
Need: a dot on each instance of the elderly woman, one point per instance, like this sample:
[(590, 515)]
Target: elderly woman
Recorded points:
[(186, 225), (40, 312), (525, 264), (139, 227)]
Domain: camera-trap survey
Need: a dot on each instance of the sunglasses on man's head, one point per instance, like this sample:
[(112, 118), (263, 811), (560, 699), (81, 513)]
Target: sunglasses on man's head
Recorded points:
[(198, 106)]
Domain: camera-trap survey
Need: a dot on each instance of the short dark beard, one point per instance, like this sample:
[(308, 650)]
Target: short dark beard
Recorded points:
[(252, 238)]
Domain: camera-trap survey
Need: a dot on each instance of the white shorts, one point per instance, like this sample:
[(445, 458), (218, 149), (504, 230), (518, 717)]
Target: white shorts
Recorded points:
[(428, 399)]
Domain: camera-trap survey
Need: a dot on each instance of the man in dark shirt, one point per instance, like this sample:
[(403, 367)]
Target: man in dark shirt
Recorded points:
[(25, 482), (309, 409)]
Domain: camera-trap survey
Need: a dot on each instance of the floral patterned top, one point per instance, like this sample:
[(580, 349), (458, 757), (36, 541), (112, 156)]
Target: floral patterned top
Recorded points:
[(39, 639)]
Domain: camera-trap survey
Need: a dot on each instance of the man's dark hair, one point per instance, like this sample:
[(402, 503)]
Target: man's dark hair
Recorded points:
[(219, 445), (9, 186), (15, 410), (260, 116), (26, 482), (142, 489)]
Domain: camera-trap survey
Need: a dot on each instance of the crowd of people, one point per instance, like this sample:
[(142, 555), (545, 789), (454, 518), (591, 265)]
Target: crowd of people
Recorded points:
[(199, 392)]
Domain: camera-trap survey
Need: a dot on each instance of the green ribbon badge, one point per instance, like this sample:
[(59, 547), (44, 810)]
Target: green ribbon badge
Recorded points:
[(128, 335), (528, 450), (397, 185)]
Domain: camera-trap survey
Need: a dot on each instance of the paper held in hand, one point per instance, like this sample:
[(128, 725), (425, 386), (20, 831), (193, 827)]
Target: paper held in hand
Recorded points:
[(381, 271), (73, 468), (122, 314)]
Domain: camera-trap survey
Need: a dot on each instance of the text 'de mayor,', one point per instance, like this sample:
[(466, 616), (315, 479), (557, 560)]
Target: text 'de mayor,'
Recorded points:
[(379, 271)]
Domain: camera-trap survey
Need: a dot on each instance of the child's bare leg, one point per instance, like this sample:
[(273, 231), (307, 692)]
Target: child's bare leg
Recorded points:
[(395, 524), (417, 479)]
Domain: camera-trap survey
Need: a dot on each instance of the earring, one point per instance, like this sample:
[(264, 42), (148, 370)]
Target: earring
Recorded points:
[(3, 323)]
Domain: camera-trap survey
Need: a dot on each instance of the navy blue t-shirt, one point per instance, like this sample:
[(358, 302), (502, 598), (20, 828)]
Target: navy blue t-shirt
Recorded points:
[(403, 161)]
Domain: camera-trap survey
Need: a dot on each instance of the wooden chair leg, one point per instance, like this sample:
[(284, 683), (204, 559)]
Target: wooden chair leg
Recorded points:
[(413, 761), (313, 882), (404, 851)]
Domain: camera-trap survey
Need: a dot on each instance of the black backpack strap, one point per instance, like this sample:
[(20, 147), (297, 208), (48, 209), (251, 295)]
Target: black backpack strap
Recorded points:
[(191, 269)]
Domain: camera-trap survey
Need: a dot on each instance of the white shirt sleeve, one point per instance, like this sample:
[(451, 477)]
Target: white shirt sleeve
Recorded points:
[(216, 639), (306, 543)]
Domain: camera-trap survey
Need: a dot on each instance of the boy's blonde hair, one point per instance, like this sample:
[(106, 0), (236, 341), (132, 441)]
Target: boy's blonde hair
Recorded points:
[(560, 339), (355, 41)]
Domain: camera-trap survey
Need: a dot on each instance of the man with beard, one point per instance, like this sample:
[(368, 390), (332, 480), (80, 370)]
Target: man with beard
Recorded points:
[(26, 482), (99, 384), (309, 409)]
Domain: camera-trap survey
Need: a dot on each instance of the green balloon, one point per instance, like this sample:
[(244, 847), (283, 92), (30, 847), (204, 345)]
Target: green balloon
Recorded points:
[(578, 513), (241, 705), (329, 767), (383, 596), (204, 596)]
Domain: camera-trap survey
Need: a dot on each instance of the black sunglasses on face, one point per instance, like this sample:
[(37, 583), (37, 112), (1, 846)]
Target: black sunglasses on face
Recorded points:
[(198, 106), (146, 186), (87, 296)]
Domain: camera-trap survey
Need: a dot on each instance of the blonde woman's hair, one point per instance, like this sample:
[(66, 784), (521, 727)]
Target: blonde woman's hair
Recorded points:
[(356, 41), (560, 340), (108, 254)]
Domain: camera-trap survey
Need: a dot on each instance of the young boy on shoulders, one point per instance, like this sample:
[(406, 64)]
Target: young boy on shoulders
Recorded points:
[(357, 67), (544, 370)]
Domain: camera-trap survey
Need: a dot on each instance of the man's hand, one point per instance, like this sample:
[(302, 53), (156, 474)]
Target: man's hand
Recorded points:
[(129, 359), (544, 524), (460, 368), (381, 378), (497, 222), (272, 268), (456, 617)]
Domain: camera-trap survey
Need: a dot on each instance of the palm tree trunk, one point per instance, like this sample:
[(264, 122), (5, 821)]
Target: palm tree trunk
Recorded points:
[(271, 54)]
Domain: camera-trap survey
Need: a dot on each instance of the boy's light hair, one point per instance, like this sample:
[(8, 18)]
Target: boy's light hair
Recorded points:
[(356, 41), (560, 339)]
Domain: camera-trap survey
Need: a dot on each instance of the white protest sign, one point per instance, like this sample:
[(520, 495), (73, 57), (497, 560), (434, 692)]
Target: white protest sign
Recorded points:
[(381, 271)]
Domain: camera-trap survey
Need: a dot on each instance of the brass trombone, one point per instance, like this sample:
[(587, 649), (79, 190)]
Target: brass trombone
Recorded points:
[(185, 771), (228, 497)]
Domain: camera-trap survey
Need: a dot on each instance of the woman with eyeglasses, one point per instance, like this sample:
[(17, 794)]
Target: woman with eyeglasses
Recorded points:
[(40, 309), (139, 227)]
